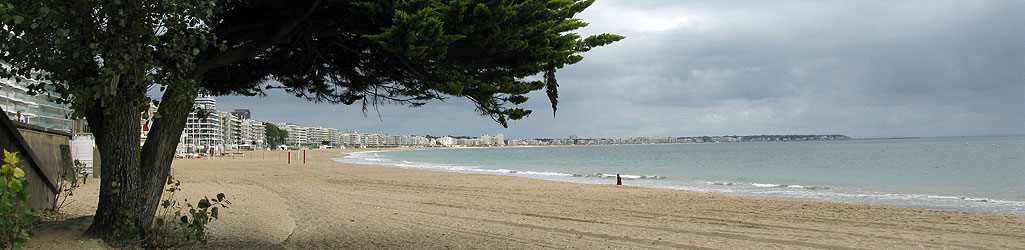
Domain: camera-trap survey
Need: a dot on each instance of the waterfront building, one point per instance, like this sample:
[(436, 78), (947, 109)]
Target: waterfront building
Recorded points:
[(242, 114), (447, 141), (253, 134), (41, 109), (230, 130), (203, 134), (371, 140), (297, 134), (319, 136), (498, 140), (146, 123), (420, 141), (351, 137)]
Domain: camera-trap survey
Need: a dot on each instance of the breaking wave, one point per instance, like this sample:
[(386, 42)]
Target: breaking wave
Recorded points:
[(801, 191)]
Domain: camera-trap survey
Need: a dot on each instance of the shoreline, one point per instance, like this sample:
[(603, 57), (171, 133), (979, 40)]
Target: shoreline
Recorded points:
[(329, 204), (802, 191)]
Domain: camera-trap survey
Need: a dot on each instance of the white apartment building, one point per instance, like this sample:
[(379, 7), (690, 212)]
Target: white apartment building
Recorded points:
[(351, 137), (297, 134), (253, 133), (146, 123), (40, 109), (319, 135), (231, 131), (203, 134), (420, 141), (447, 141), (498, 140), (371, 140)]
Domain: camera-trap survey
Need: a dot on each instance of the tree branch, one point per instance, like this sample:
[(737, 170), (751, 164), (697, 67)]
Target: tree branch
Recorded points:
[(255, 47)]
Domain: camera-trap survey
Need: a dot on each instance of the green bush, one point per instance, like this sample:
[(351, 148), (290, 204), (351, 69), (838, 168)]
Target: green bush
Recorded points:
[(14, 217), (66, 185), (189, 226)]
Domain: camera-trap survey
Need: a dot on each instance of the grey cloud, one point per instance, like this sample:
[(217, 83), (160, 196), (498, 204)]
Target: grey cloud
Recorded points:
[(908, 68)]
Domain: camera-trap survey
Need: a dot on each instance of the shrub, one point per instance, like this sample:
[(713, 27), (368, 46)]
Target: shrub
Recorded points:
[(66, 185), (14, 217), (189, 226)]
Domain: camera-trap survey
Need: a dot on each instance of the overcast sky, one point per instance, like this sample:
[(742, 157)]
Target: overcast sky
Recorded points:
[(689, 68)]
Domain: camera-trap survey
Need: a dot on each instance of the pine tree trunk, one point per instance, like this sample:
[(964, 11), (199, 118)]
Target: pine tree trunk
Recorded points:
[(119, 219)]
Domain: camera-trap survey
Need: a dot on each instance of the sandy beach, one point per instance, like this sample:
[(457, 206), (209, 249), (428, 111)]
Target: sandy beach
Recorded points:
[(325, 204)]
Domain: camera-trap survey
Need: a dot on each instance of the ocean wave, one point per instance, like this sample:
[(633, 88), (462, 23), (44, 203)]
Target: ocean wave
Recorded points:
[(372, 158), (624, 176), (765, 185), (769, 185), (737, 186)]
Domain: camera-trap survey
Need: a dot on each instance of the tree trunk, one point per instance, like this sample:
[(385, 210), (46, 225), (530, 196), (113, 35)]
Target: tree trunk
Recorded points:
[(162, 141), (119, 219), (125, 213)]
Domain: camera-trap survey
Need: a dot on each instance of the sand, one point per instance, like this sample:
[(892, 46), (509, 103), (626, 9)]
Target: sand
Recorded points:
[(326, 204)]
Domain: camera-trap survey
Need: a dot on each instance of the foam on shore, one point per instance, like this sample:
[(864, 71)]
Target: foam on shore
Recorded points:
[(793, 190)]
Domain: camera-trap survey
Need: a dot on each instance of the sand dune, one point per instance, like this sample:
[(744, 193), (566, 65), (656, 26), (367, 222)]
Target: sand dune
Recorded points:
[(326, 204)]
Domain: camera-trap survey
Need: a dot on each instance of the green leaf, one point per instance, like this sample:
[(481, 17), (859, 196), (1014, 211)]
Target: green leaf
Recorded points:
[(220, 196), (213, 212), (11, 158), (18, 173), (185, 219), (18, 19), (16, 186), (203, 204)]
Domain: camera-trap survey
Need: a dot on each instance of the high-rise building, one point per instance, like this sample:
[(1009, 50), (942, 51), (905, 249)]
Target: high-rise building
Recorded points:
[(252, 133), (498, 140), (41, 109), (146, 123), (242, 114), (203, 132), (350, 137), (319, 135), (297, 134)]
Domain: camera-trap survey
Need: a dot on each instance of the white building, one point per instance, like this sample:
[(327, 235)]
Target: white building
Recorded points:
[(297, 134), (351, 138), (253, 133), (146, 123), (498, 140), (371, 140), (319, 135), (447, 141), (203, 134), (41, 109)]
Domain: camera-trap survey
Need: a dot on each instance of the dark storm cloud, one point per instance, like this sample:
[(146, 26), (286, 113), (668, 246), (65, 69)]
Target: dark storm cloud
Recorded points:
[(907, 68), (802, 65)]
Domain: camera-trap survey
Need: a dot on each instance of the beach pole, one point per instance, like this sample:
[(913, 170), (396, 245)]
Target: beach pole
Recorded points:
[(304, 157), (289, 157)]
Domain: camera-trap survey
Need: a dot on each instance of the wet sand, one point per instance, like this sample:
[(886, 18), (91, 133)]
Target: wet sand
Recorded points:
[(327, 204)]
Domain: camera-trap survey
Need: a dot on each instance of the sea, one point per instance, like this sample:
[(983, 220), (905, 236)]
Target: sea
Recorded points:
[(981, 174)]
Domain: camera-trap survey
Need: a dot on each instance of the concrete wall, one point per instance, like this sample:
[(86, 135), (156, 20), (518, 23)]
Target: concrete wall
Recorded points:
[(43, 153), (53, 158), (39, 188)]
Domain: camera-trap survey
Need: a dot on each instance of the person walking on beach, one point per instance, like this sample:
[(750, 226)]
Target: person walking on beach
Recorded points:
[(619, 180)]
